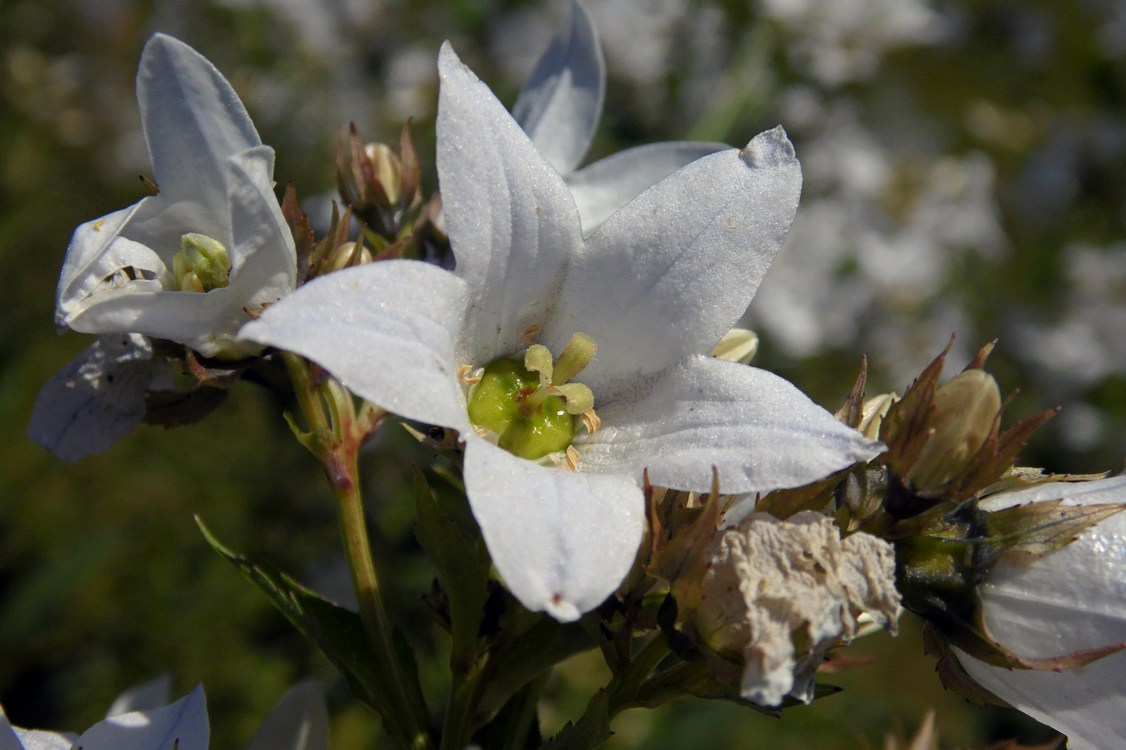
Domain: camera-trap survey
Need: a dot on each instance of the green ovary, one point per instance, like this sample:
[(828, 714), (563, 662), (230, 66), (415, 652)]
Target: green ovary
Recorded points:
[(510, 401)]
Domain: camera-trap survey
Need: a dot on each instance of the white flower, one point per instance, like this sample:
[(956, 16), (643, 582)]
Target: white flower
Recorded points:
[(1071, 600), (138, 721), (559, 109), (655, 287), (780, 594), (215, 228)]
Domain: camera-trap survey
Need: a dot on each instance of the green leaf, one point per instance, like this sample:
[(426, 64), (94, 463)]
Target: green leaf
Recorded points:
[(591, 730), (337, 631), (529, 655), (451, 538)]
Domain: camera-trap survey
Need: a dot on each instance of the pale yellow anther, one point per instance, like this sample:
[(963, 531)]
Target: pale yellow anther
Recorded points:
[(591, 421), (572, 458), (579, 398), (578, 353), (538, 359), (190, 282), (737, 345)]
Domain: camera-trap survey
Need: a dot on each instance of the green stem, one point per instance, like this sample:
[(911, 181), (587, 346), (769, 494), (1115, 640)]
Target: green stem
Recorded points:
[(336, 436), (464, 696), (357, 548), (523, 717)]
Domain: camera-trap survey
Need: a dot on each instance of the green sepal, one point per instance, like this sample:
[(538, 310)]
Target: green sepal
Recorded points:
[(1035, 529), (337, 631), (449, 534)]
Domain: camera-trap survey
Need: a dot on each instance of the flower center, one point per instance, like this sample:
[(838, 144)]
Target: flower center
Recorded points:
[(532, 406), (201, 265)]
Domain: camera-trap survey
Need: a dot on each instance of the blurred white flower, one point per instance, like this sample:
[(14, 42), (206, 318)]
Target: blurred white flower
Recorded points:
[(877, 246), (656, 286), (1072, 600), (838, 41), (138, 720)]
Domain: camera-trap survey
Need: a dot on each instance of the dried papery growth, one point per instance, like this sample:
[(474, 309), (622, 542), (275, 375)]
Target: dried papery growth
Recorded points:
[(777, 595)]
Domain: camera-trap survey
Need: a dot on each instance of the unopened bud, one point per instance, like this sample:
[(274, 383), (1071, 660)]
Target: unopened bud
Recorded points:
[(966, 413), (873, 412), (387, 170), (345, 256)]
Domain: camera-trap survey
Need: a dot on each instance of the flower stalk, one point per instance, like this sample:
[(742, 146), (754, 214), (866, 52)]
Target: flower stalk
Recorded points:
[(336, 432)]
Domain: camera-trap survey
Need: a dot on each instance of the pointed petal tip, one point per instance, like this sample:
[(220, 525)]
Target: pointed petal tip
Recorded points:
[(449, 62), (769, 148)]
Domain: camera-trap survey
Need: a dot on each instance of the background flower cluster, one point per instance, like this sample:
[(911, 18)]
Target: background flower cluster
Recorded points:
[(965, 170)]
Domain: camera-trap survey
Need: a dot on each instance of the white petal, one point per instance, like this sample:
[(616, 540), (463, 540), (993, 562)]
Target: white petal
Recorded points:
[(184, 721), (36, 739), (758, 430), (1085, 704), (205, 322), (1072, 599), (608, 184), (669, 273), (298, 722), (387, 330), (512, 222), (562, 541), (561, 102), (96, 399), (96, 251), (263, 258), (193, 121), (143, 697)]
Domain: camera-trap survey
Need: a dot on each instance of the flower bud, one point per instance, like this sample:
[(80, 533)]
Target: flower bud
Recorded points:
[(387, 172), (346, 255), (965, 414)]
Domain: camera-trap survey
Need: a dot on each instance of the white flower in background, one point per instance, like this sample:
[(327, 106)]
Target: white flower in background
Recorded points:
[(877, 245), (838, 41), (190, 265), (197, 261), (1071, 600), (779, 594), (630, 315), (139, 720), (559, 109), (1085, 343)]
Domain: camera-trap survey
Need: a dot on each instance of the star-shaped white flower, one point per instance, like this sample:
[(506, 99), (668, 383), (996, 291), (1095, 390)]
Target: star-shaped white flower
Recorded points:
[(559, 108), (1073, 599), (655, 287), (216, 210)]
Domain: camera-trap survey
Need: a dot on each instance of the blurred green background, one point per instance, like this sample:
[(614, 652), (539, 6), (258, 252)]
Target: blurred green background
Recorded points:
[(965, 171)]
